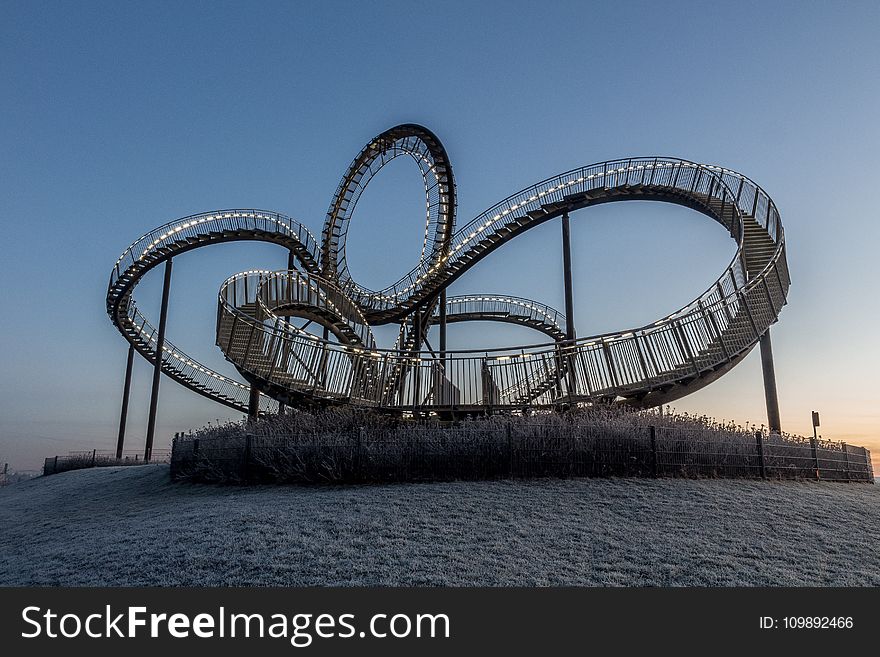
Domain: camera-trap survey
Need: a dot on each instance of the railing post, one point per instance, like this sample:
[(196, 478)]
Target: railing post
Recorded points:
[(683, 344), (723, 300), (126, 390), (759, 439), (509, 431), (157, 366)]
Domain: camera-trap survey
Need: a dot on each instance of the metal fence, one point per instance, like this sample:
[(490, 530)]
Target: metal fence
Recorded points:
[(436, 452), (97, 458)]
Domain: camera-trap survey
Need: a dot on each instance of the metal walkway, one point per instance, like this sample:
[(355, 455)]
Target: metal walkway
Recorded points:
[(642, 366)]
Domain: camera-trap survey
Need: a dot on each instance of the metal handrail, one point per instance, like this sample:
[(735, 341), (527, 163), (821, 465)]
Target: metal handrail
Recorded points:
[(531, 199)]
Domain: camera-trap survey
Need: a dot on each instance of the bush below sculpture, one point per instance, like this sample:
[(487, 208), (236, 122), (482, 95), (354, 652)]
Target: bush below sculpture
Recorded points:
[(341, 446)]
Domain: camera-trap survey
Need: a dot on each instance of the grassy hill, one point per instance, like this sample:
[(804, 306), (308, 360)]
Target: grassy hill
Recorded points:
[(133, 526)]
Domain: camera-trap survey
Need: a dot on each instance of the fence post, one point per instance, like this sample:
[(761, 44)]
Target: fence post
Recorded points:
[(94, 454), (845, 462), (509, 431), (815, 451), (759, 439), (55, 466), (195, 447), (361, 435), (655, 470), (248, 437)]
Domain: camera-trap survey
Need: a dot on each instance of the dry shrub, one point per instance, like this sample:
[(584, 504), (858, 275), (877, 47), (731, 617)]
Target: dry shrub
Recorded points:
[(352, 445)]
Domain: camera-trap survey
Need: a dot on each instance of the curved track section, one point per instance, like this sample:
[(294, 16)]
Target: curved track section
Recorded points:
[(643, 366), (504, 308), (429, 155), (174, 238)]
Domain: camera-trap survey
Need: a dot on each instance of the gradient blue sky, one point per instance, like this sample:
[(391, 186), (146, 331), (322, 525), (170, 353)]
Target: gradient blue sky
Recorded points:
[(118, 117)]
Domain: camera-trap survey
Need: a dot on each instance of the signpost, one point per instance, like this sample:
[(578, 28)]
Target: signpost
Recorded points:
[(813, 443)]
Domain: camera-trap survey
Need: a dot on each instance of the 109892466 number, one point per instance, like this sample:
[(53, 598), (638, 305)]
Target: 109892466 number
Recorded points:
[(817, 622)]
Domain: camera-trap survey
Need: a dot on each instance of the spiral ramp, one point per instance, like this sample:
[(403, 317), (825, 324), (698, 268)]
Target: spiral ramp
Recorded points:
[(643, 366)]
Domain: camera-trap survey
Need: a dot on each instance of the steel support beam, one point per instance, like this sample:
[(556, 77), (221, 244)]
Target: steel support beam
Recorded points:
[(417, 331), (443, 327), (770, 383), (326, 337), (254, 403), (442, 375), (566, 268), (291, 265), (157, 365), (126, 389), (569, 301)]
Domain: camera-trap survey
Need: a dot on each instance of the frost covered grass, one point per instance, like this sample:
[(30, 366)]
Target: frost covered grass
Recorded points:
[(133, 526)]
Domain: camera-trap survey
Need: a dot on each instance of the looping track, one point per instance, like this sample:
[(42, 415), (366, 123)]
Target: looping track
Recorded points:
[(643, 366)]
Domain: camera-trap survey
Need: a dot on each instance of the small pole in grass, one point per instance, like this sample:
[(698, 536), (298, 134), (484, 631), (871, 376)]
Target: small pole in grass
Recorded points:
[(759, 439), (814, 444)]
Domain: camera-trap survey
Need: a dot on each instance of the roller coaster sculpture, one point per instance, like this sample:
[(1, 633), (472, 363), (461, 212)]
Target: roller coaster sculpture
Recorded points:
[(285, 365)]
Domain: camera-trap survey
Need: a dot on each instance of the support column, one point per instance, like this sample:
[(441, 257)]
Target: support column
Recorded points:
[(417, 331), (326, 336), (569, 299), (126, 389), (770, 383), (291, 265), (254, 403), (416, 367), (443, 327), (442, 374), (157, 365), (566, 265)]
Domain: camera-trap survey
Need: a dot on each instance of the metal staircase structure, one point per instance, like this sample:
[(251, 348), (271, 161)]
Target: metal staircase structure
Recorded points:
[(643, 366)]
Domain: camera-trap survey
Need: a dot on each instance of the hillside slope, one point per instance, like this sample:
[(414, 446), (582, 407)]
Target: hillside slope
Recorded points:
[(133, 526)]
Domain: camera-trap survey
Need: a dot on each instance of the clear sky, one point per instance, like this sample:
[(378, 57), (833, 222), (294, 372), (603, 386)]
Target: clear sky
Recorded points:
[(118, 117)]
